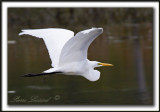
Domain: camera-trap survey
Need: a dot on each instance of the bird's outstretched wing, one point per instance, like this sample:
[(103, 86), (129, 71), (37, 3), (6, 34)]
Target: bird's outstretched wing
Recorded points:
[(76, 48), (54, 39)]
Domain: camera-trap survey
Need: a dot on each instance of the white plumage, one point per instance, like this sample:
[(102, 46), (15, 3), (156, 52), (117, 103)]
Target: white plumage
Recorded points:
[(54, 39), (68, 53)]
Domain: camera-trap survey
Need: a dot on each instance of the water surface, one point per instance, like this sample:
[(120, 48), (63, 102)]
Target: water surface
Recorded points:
[(117, 85)]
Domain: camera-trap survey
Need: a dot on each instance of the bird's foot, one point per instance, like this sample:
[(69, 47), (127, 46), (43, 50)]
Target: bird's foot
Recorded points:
[(28, 75)]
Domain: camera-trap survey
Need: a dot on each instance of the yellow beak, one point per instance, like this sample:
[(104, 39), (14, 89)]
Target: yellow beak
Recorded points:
[(105, 64)]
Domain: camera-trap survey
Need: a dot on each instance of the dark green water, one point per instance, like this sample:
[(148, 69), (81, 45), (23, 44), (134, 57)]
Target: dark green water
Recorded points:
[(118, 85)]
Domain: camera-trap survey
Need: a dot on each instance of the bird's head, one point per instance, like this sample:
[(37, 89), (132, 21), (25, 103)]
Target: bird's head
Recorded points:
[(99, 64)]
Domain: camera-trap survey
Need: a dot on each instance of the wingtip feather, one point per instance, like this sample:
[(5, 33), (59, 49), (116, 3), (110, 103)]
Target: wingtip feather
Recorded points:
[(21, 33)]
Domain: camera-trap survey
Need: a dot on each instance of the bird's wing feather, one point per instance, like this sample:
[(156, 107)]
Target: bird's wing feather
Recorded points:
[(54, 39), (76, 48)]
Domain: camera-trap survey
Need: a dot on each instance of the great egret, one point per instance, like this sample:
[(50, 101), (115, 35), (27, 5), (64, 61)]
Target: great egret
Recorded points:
[(68, 53)]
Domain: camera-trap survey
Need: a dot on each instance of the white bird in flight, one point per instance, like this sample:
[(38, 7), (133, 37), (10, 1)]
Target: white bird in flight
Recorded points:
[(68, 53)]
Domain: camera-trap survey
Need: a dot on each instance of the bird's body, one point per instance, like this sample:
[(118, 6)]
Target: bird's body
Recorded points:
[(68, 53), (84, 69)]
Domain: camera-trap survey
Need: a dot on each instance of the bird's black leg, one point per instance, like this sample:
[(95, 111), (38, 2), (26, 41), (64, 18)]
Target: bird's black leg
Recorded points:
[(40, 74)]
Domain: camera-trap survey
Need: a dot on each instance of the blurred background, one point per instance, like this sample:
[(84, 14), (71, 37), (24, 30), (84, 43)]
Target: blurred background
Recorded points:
[(126, 42)]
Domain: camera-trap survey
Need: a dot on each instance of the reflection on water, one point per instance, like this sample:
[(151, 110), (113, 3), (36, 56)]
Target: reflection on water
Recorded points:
[(12, 91), (12, 42), (39, 87), (117, 85)]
